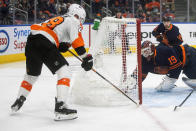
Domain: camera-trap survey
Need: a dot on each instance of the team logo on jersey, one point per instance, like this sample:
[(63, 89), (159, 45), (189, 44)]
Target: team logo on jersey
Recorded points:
[(4, 41)]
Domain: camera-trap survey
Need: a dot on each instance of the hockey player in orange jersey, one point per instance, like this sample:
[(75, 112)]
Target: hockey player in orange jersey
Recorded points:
[(44, 46)]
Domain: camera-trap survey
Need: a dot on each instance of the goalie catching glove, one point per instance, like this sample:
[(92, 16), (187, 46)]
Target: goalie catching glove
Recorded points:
[(87, 62)]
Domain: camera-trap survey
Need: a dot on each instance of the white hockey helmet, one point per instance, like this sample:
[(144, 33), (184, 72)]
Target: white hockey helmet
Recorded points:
[(78, 10)]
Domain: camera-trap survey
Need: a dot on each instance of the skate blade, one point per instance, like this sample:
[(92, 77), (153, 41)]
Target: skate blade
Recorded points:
[(14, 109), (61, 117)]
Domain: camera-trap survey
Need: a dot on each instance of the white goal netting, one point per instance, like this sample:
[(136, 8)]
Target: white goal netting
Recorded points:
[(115, 52)]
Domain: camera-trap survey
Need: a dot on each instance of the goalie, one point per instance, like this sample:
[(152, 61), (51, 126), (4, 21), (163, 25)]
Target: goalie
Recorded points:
[(169, 61)]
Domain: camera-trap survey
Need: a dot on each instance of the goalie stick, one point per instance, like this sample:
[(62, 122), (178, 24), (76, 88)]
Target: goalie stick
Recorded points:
[(106, 79), (175, 108), (190, 83)]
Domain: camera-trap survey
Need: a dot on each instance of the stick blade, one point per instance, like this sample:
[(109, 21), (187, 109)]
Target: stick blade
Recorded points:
[(175, 108)]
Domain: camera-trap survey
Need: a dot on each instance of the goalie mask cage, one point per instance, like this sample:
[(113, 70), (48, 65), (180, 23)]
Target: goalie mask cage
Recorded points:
[(116, 50)]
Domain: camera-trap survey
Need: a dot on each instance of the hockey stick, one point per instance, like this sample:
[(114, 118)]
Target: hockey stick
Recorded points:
[(184, 100), (106, 79)]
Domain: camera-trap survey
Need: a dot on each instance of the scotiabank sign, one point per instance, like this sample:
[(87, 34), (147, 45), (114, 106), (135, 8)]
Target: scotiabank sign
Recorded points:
[(4, 41)]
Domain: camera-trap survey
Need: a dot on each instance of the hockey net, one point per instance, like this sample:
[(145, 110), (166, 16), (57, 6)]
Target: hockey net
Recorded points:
[(116, 50)]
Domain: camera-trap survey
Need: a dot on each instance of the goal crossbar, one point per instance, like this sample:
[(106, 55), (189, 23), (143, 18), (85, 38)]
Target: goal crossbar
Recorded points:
[(115, 20)]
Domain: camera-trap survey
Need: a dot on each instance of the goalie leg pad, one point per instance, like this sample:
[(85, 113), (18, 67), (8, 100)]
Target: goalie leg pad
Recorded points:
[(190, 82), (166, 85)]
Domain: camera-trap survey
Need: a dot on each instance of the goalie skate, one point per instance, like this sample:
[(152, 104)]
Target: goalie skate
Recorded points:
[(63, 113), (18, 104)]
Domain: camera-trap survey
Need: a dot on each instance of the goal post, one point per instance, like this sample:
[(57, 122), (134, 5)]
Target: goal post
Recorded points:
[(116, 49), (139, 59)]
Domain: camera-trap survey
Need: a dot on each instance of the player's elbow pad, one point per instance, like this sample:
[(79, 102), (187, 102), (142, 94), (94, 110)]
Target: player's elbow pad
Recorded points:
[(80, 50)]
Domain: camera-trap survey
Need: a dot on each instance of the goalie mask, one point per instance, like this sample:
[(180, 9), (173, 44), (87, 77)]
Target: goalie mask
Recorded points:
[(78, 10), (147, 49)]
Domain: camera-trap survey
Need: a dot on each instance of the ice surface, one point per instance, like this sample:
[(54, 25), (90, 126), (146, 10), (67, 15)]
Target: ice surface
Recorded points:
[(156, 113)]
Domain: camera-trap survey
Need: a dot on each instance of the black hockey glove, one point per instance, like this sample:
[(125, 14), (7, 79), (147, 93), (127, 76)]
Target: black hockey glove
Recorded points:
[(64, 46), (159, 38), (87, 62)]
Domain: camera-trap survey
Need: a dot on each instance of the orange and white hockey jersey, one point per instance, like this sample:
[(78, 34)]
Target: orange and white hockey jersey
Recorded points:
[(61, 29)]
